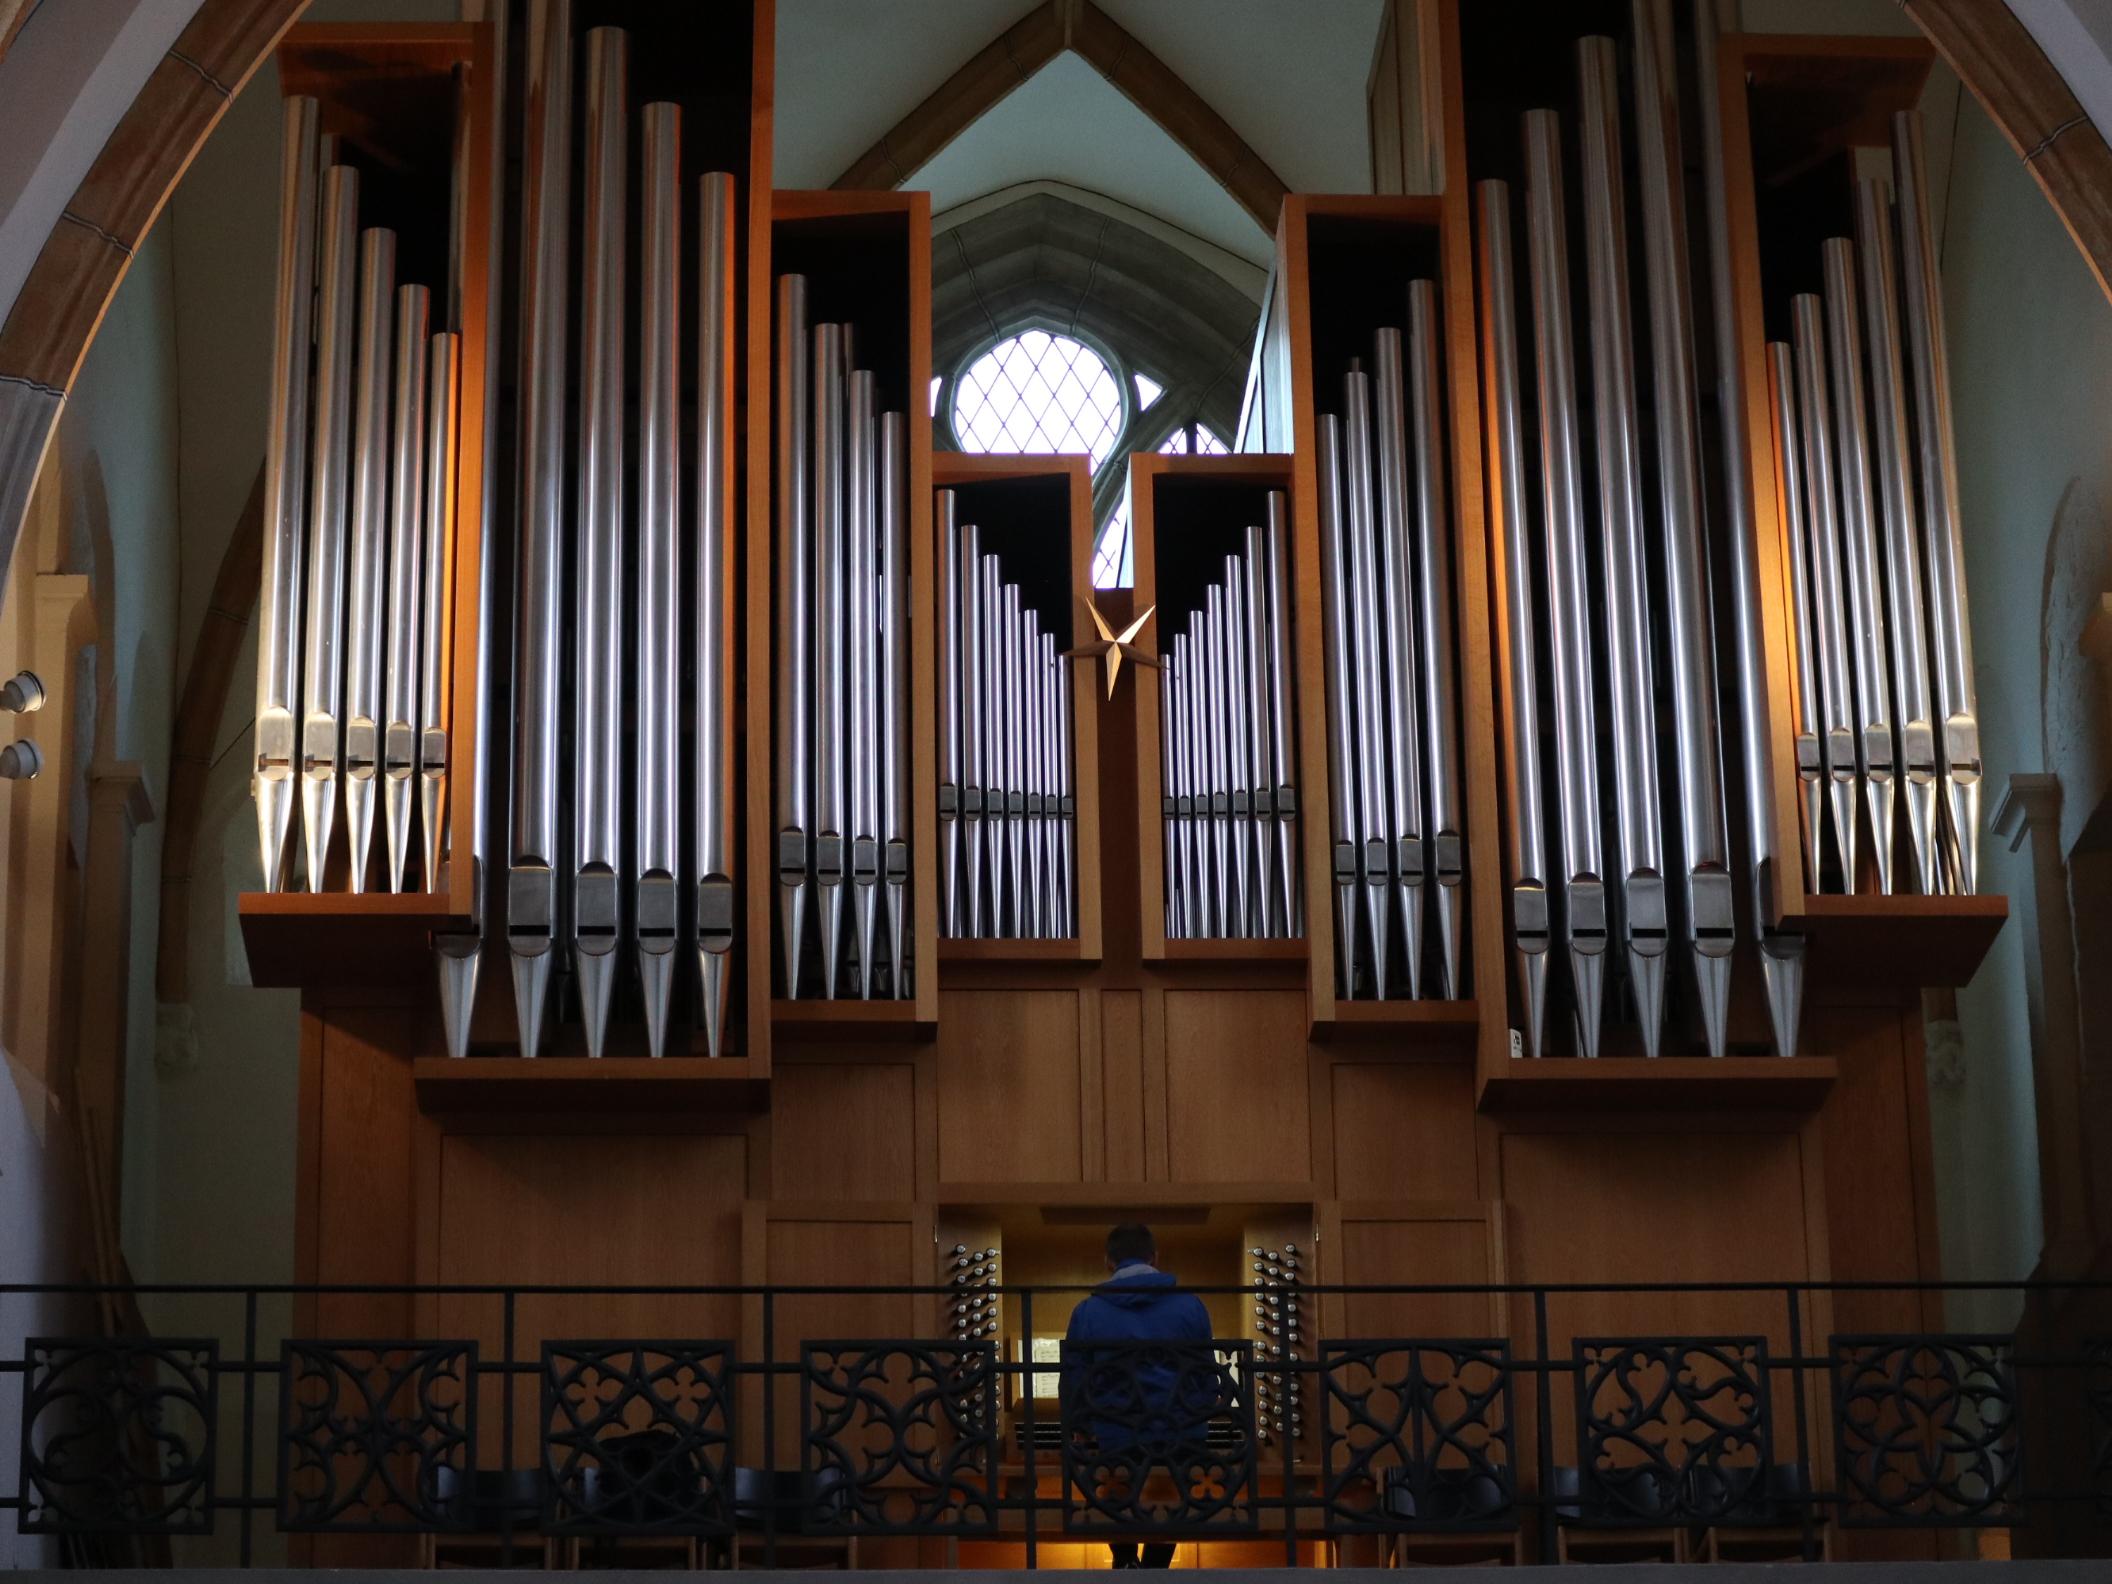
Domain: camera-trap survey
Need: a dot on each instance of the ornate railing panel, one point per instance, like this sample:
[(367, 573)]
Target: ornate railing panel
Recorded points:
[(637, 1437), (376, 1437), (1417, 1434), (1925, 1430), (118, 1436), (899, 1437), (1673, 1430), (1158, 1438)]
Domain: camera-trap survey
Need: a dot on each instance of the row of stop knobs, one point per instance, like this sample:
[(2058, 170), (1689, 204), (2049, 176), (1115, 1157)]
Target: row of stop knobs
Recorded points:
[(1279, 1326), (973, 1306)]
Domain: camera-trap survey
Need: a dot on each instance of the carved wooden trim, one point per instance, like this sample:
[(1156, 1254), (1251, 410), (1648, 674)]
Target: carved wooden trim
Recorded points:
[(2028, 99), (192, 737), (1110, 49)]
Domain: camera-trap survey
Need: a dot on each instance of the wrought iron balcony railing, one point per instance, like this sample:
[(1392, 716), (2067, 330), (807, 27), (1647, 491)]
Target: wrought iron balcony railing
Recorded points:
[(505, 1429)]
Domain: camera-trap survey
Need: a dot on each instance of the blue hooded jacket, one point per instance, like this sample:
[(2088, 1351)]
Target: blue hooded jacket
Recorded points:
[(1137, 1304)]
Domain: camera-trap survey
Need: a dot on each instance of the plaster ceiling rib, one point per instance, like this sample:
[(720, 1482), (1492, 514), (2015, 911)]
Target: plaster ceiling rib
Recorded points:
[(1110, 49)]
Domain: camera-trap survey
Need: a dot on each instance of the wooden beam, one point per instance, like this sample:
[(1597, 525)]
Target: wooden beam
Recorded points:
[(2026, 96), (13, 13), (990, 73), (192, 737), (1111, 50), (1182, 113)]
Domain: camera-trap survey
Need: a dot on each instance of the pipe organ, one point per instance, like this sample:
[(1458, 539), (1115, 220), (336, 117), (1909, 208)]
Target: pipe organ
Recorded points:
[(1535, 769)]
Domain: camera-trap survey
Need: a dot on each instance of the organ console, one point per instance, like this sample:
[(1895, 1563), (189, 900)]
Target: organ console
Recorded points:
[(1497, 874)]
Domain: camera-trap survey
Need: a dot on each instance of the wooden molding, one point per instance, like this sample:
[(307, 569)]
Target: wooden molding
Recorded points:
[(13, 13), (2029, 100), (192, 735), (1110, 49)]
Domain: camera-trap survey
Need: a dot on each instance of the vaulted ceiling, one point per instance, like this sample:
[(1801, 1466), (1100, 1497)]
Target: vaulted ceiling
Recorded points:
[(1288, 78)]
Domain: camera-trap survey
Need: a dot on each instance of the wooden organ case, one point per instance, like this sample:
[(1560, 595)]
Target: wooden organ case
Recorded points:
[(1018, 1094)]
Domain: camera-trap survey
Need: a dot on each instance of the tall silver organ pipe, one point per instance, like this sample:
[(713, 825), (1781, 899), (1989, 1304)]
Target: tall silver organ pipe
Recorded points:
[(1873, 661), (1235, 714), (1839, 746), (994, 770), (322, 661), (1345, 844), (1517, 648), (1916, 741), (1066, 793), (1584, 890), (713, 786), (406, 539), (831, 782), (656, 870), (1394, 531), (969, 905), (1691, 645), (1790, 488), (367, 592), (1258, 772), (286, 473), (951, 779), (539, 617), (861, 712), (460, 953), (1781, 952), (795, 623), (1283, 754), (1639, 856), (895, 787), (431, 724), (599, 587), (1375, 858), (1950, 632), (1433, 533)]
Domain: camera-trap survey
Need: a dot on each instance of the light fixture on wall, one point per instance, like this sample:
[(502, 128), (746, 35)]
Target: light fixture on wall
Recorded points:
[(20, 761), (23, 693)]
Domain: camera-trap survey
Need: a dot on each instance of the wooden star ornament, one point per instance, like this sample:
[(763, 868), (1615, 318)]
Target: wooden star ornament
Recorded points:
[(1113, 647)]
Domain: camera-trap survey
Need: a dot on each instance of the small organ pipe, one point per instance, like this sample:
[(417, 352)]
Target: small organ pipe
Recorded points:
[(1789, 486), (1433, 531), (406, 553), (1343, 774), (436, 599), (795, 624), (1398, 604), (714, 783), (895, 799)]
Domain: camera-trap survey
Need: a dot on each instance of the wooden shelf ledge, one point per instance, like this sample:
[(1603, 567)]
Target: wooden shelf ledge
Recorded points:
[(849, 1018), (1414, 1028), (488, 1083), (1639, 1083), (305, 940), (1915, 942)]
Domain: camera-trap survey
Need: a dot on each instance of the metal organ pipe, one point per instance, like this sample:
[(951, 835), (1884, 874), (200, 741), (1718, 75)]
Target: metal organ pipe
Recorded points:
[(1873, 669), (1525, 817), (950, 680), (1283, 758), (1902, 537), (1691, 645), (367, 591), (1639, 858), (1376, 857), (656, 861), (322, 662), (285, 477), (1584, 891), (1235, 715), (1950, 631), (795, 623), (600, 590), (406, 537), (1789, 484), (714, 778), (1343, 776), (969, 592), (436, 593), (1838, 744), (540, 621), (861, 714), (895, 793), (1253, 571), (1781, 952), (1447, 822), (1398, 606), (831, 721)]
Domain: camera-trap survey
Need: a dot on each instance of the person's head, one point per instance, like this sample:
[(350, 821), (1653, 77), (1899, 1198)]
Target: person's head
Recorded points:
[(1131, 1243)]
